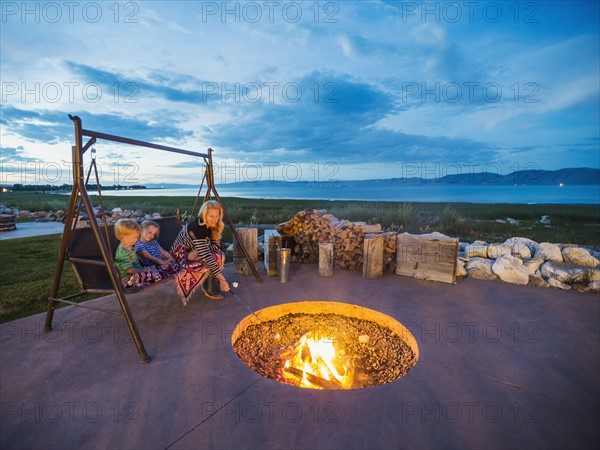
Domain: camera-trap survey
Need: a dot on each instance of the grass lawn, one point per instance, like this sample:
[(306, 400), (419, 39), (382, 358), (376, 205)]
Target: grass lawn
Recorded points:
[(28, 265), (27, 271)]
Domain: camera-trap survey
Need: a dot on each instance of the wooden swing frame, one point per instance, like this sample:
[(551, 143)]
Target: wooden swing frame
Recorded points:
[(80, 197)]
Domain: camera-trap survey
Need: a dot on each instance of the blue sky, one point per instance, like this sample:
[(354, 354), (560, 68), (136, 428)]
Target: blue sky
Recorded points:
[(289, 90)]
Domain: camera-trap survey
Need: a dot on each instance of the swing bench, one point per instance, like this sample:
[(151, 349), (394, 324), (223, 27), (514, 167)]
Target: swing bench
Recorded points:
[(90, 250), (85, 256)]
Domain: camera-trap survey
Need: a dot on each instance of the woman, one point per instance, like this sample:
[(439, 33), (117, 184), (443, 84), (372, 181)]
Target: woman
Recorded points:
[(201, 241)]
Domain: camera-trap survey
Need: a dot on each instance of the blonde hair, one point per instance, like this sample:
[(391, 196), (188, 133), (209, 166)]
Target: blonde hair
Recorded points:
[(124, 227), (150, 223), (217, 231)]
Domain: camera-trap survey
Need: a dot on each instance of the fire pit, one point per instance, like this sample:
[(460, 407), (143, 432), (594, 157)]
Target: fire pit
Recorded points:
[(325, 345)]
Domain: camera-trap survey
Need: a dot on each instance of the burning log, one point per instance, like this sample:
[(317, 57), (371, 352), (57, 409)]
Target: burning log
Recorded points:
[(314, 379)]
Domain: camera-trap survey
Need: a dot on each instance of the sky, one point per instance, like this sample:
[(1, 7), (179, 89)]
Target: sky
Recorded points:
[(294, 90)]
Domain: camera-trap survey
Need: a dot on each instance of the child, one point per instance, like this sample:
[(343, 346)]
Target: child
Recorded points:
[(148, 249), (130, 268)]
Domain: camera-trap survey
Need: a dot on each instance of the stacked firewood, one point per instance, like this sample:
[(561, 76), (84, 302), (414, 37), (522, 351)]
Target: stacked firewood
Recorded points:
[(311, 227), (389, 251)]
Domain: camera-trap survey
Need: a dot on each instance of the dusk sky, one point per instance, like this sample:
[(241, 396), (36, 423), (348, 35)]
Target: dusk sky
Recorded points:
[(300, 90)]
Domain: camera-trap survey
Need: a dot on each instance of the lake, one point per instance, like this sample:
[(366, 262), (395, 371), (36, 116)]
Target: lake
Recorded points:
[(584, 194)]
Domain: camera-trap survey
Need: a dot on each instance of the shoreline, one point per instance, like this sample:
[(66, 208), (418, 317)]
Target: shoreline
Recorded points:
[(475, 194)]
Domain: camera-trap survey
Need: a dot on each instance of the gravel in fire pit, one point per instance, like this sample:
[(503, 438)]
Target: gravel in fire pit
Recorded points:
[(377, 354)]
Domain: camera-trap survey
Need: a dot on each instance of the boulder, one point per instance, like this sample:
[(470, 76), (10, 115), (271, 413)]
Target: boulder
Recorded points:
[(460, 271), (50, 217), (549, 252), (565, 272), (495, 251), (476, 251), (559, 284), (537, 280), (522, 247), (481, 268), (594, 286), (511, 270), (579, 256), (545, 220), (532, 264)]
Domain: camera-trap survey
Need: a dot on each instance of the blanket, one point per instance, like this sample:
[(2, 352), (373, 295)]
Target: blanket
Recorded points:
[(191, 274)]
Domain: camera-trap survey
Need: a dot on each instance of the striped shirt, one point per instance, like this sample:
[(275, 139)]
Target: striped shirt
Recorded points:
[(197, 236), (152, 247)]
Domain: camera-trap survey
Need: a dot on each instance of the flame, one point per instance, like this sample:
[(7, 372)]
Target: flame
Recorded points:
[(317, 364)]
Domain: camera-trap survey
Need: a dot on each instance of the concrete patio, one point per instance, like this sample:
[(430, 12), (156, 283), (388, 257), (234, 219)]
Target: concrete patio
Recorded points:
[(500, 366)]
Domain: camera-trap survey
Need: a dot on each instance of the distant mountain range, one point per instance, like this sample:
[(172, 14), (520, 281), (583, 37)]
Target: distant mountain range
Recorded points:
[(574, 176)]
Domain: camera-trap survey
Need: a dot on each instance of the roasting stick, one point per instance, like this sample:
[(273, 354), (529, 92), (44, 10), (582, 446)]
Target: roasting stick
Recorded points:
[(242, 301)]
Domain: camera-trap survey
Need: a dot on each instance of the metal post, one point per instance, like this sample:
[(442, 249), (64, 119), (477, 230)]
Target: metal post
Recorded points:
[(79, 188), (210, 181)]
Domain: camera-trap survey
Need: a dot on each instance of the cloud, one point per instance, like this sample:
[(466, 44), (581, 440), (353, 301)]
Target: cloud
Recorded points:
[(161, 88), (14, 155), (343, 129), (51, 127), (377, 85)]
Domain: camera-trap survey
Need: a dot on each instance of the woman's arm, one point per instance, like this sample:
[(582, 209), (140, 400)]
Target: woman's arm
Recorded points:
[(205, 254)]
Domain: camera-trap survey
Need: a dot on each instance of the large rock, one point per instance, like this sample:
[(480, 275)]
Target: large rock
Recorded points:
[(495, 251), (476, 251), (559, 284), (522, 247), (549, 252), (565, 272), (579, 256), (510, 269), (594, 286), (537, 280), (481, 268), (532, 264), (460, 271)]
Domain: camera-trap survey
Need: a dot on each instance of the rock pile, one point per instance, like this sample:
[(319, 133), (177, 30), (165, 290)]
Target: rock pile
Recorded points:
[(115, 214), (59, 216), (520, 260)]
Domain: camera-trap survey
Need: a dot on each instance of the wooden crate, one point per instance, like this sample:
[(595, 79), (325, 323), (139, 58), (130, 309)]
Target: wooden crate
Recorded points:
[(427, 257)]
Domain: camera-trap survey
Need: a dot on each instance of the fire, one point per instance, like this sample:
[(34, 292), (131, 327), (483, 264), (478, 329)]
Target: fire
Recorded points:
[(317, 365)]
